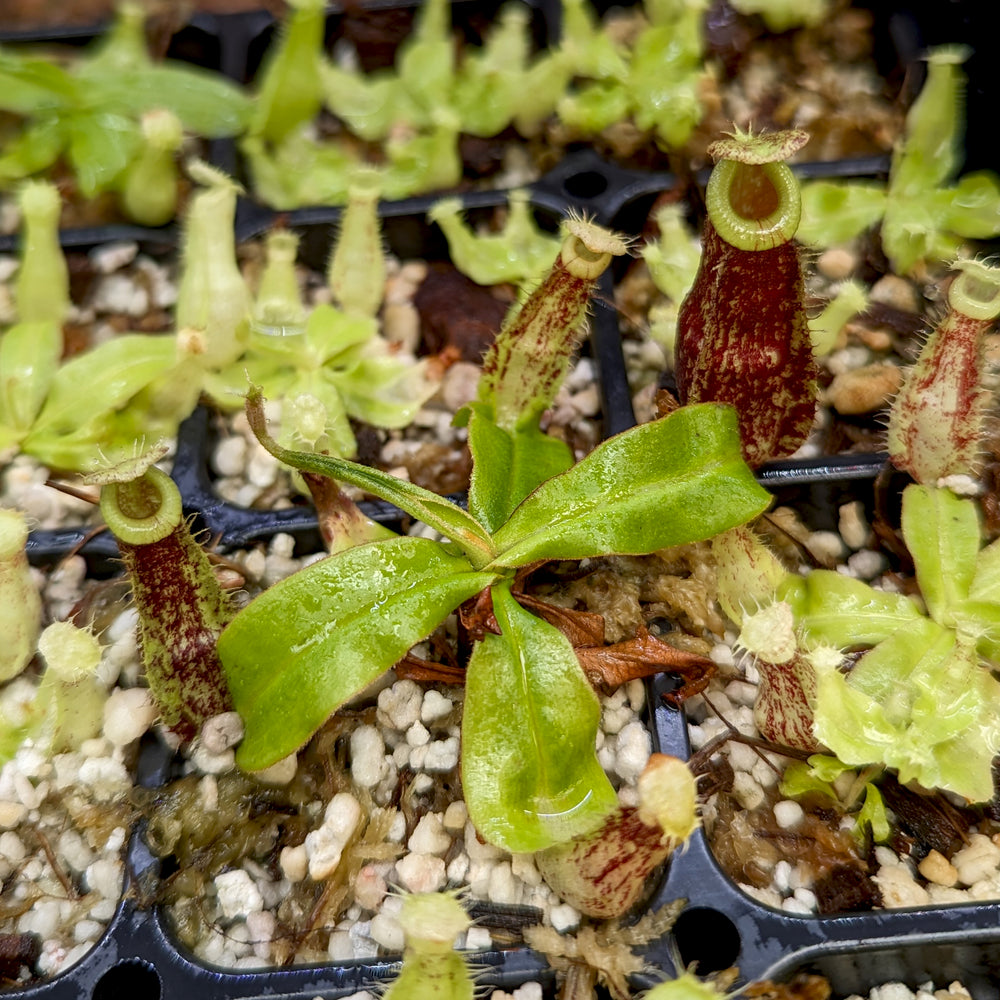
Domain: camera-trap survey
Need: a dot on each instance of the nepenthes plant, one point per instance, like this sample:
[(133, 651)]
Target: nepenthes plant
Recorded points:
[(529, 769)]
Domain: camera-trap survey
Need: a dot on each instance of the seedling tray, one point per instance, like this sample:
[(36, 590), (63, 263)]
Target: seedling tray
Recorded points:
[(721, 925)]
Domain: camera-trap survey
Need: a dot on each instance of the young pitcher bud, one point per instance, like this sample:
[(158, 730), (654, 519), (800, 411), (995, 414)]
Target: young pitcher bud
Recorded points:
[(783, 709), (70, 692), (742, 332), (604, 872), (431, 921), (936, 421), (42, 284), (212, 296), (356, 271), (20, 602)]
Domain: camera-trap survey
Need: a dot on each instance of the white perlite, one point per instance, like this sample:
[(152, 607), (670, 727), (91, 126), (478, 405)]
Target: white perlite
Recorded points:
[(899, 991), (237, 893), (325, 846)]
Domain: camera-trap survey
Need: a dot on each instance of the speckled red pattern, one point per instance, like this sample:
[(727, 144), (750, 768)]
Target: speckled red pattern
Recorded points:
[(743, 338)]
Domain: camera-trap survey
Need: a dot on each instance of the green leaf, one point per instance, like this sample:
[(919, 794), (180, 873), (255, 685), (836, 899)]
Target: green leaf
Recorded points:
[(29, 359), (873, 815), (595, 106), (112, 372), (435, 511), (529, 771), (35, 148), (919, 703), (931, 148), (799, 779), (101, 145), (678, 479), (384, 391), (827, 768), (974, 206), (837, 211), (985, 584), (885, 673), (207, 104), (331, 333), (425, 62), (304, 646), (28, 86), (508, 465), (908, 231), (943, 535), (368, 104), (844, 612)]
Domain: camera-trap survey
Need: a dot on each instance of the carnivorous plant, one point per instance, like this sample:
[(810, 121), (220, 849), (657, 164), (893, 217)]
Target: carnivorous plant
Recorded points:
[(530, 774), (921, 698), (92, 114), (925, 213)]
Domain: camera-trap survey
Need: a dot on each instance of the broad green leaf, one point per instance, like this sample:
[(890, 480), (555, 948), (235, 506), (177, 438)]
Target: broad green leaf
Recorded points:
[(425, 62), (837, 211), (206, 103), (9, 437), (595, 106), (29, 358), (101, 146), (908, 232), (228, 388), (986, 579), (304, 646), (28, 86), (367, 103), (921, 705), (844, 612), (105, 439), (979, 622), (435, 511), (678, 479), (112, 374), (530, 774), (508, 465), (331, 333), (35, 148), (887, 672), (851, 723), (974, 206), (943, 535), (384, 391)]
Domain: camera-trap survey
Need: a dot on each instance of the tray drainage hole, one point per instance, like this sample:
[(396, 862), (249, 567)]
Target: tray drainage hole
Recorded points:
[(708, 937), (133, 978), (587, 184)]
